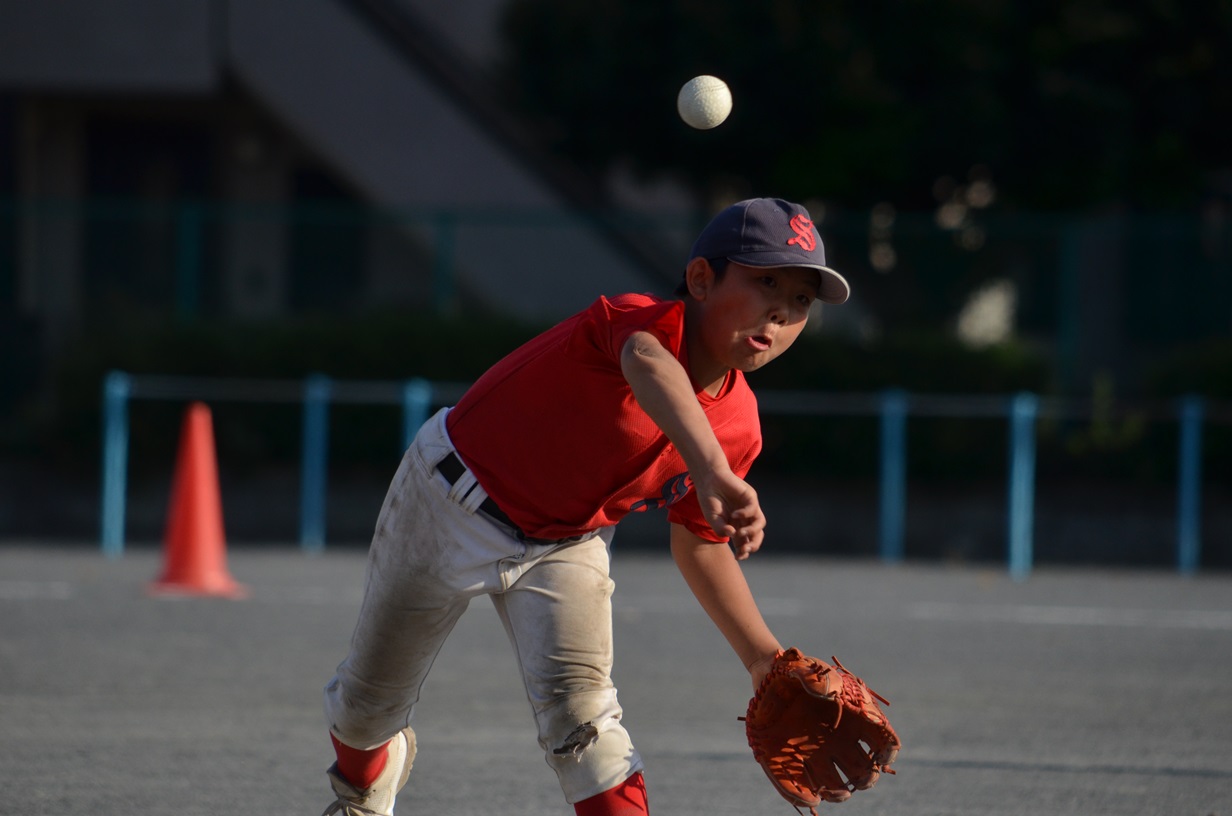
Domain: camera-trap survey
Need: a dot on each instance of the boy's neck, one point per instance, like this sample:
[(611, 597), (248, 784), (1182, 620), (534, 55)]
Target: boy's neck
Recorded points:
[(709, 379)]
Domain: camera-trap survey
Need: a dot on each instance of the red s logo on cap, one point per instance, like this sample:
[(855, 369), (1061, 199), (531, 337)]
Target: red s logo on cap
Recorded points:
[(805, 237)]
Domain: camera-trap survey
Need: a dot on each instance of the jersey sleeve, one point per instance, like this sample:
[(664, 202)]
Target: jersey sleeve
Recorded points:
[(609, 323), (688, 513)]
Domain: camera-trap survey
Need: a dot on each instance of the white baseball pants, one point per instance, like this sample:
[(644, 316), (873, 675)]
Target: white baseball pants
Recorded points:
[(430, 554)]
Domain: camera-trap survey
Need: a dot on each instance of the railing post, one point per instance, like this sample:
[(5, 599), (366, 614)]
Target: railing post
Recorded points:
[(1023, 410), (893, 473), (315, 455), (116, 390), (416, 402), (1189, 486)]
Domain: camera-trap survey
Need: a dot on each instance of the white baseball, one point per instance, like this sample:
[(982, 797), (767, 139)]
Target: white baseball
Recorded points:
[(704, 102)]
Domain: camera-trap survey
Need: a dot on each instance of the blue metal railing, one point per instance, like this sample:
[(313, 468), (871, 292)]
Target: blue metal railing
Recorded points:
[(893, 493), (1189, 485), (116, 391), (1024, 408), (893, 406), (316, 453)]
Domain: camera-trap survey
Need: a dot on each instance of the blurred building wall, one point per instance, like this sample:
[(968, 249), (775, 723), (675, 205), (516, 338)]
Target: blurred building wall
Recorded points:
[(118, 45), (252, 105)]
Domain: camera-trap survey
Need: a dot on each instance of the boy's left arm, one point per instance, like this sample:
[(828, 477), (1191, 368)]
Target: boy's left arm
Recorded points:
[(717, 581)]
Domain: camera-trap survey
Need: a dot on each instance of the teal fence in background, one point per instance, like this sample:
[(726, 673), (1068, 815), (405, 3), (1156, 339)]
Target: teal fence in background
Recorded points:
[(418, 397)]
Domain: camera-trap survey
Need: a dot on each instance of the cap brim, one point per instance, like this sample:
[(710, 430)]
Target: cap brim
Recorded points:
[(834, 287)]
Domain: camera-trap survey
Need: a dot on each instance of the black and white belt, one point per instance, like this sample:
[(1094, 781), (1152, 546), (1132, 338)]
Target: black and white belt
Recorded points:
[(451, 468)]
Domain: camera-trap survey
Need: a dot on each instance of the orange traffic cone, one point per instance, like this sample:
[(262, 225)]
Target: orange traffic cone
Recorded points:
[(194, 546)]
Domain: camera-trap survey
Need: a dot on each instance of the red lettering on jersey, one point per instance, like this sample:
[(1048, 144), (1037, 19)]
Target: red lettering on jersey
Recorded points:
[(674, 489)]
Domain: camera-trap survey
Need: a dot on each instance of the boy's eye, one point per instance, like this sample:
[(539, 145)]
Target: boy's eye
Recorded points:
[(767, 280)]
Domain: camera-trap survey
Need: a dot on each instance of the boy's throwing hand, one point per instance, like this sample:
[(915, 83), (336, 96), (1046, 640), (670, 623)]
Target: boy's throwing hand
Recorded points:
[(730, 505)]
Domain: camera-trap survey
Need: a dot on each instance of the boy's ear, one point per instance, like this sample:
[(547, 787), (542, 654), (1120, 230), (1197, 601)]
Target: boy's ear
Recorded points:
[(698, 278)]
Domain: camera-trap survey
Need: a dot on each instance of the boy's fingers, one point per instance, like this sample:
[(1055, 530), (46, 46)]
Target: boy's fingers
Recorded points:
[(739, 519), (746, 541), (751, 524)]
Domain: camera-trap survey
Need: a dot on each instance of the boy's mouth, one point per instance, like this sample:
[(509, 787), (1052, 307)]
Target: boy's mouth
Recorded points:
[(760, 342)]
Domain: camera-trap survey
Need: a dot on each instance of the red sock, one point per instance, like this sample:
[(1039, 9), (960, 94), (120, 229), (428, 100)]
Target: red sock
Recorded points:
[(626, 799), (360, 768)]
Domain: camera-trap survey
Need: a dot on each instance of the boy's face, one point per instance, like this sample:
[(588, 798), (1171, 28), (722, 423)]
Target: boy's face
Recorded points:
[(749, 316)]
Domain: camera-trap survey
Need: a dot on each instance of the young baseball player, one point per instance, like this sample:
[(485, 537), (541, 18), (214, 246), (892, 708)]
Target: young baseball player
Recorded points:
[(635, 403)]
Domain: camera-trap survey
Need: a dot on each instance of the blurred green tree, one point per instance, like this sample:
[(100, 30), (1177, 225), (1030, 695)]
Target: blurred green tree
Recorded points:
[(1062, 104)]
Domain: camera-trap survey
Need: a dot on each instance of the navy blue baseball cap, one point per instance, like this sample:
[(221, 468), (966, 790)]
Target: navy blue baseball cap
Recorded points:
[(770, 232)]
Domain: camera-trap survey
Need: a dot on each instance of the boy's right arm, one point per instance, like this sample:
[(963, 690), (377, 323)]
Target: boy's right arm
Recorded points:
[(663, 390)]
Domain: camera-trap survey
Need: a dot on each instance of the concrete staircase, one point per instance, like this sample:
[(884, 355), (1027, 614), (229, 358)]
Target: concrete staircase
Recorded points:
[(404, 119)]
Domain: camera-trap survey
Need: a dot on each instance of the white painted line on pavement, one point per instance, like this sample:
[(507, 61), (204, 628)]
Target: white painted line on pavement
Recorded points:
[(1073, 615)]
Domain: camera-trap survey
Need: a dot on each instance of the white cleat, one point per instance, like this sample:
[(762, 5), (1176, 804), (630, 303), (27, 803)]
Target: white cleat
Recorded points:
[(377, 800)]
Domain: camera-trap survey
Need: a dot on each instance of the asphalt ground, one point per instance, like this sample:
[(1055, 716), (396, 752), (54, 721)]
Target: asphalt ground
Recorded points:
[(1074, 692)]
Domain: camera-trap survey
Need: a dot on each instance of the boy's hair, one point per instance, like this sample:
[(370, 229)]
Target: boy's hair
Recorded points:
[(719, 265)]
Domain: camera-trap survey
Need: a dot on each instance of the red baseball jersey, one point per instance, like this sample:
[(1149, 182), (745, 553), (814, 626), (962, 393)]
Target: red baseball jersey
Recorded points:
[(554, 435)]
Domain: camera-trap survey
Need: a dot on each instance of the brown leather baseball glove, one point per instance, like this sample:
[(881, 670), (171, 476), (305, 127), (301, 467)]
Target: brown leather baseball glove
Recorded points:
[(809, 722)]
